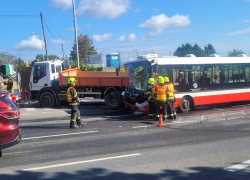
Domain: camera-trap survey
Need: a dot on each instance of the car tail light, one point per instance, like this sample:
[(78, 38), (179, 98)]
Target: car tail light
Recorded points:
[(10, 114)]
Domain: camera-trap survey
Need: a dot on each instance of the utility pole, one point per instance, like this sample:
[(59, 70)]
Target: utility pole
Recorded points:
[(76, 40), (62, 51), (44, 36)]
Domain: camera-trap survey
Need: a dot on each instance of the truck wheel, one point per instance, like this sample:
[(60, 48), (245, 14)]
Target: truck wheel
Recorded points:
[(185, 104), (112, 101), (47, 99)]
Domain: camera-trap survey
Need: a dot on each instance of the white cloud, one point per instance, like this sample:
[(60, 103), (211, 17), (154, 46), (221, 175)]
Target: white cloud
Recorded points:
[(245, 31), (60, 41), (32, 43), (102, 8), (162, 21), (248, 20), (247, 0), (104, 37), (137, 10), (88, 26), (73, 28), (122, 38), (156, 33), (64, 4), (131, 37)]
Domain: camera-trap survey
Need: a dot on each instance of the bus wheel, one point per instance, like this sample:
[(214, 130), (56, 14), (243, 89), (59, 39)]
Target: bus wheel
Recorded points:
[(47, 99), (112, 101), (185, 104)]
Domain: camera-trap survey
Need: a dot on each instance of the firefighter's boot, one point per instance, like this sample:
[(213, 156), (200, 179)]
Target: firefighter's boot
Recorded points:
[(80, 123), (73, 125)]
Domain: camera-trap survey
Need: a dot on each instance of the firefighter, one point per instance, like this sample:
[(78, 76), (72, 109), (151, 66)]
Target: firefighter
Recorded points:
[(150, 95), (170, 98), (161, 98), (73, 100)]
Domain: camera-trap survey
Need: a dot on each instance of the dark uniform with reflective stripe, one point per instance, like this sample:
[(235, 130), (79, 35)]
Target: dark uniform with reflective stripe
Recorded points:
[(151, 99), (161, 97), (73, 100)]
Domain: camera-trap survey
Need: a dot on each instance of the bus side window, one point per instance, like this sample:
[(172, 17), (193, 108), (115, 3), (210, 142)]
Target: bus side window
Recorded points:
[(178, 78)]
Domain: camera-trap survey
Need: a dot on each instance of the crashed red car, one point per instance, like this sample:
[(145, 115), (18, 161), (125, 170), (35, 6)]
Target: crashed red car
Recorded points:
[(10, 133)]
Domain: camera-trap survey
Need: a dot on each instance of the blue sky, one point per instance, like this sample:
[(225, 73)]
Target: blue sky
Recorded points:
[(125, 25)]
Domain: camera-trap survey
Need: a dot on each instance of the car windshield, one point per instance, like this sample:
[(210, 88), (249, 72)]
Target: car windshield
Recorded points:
[(138, 72)]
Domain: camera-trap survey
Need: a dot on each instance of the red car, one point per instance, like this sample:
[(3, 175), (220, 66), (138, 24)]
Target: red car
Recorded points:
[(10, 133)]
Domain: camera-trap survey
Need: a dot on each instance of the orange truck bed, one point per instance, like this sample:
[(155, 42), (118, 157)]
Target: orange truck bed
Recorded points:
[(94, 78)]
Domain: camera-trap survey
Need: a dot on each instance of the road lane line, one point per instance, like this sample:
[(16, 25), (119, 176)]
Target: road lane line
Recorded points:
[(82, 162), (30, 109), (202, 117), (25, 114), (135, 127), (242, 112), (238, 167), (40, 137)]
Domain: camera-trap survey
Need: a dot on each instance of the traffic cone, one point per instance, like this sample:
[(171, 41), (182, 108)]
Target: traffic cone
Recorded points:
[(160, 124)]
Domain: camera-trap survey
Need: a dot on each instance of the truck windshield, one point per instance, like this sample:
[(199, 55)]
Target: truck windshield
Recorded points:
[(39, 72), (138, 72)]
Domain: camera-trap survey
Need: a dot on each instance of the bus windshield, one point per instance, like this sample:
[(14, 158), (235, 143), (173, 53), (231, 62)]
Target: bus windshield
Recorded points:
[(138, 72)]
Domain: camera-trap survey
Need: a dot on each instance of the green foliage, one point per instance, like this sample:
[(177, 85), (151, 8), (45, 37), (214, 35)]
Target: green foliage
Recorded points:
[(84, 67), (85, 47), (187, 48), (21, 62), (210, 49), (51, 57), (234, 53)]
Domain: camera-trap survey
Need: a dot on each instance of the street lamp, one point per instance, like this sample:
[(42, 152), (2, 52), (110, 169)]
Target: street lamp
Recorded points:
[(42, 42)]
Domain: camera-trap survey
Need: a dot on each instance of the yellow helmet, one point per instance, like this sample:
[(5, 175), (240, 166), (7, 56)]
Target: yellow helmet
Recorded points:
[(166, 79), (160, 80), (71, 80), (151, 81)]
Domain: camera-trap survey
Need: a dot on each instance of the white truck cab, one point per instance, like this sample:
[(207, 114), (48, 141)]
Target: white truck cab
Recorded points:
[(43, 73)]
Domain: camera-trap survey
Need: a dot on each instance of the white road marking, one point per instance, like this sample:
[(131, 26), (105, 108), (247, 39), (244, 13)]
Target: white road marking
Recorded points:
[(202, 117), (135, 127), (49, 109), (242, 112), (223, 114), (82, 162), (46, 112), (30, 109), (238, 167), (25, 114), (40, 137)]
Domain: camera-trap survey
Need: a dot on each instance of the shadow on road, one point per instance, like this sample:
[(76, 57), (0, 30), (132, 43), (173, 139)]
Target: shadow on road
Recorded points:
[(198, 173)]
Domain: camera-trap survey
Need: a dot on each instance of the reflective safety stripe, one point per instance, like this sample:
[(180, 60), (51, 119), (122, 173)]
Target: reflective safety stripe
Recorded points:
[(151, 114), (161, 93), (79, 118), (73, 120), (157, 115), (73, 104), (165, 116), (175, 113)]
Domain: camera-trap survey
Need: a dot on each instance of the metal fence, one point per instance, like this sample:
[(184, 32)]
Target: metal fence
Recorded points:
[(99, 60)]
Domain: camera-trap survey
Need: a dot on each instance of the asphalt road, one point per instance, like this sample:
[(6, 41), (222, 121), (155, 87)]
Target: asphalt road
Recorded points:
[(120, 145)]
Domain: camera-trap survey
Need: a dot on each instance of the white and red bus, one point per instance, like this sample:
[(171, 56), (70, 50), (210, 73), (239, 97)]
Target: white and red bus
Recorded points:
[(198, 80)]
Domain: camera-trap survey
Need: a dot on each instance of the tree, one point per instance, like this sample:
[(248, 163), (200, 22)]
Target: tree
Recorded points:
[(198, 52), (8, 58), (85, 47), (183, 50), (51, 57), (234, 53), (21, 62), (209, 49)]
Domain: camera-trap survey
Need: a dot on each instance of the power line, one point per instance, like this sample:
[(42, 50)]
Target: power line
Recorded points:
[(51, 33), (54, 28), (19, 15)]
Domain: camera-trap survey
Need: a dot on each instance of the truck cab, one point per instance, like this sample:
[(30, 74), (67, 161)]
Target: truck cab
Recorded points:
[(44, 76)]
